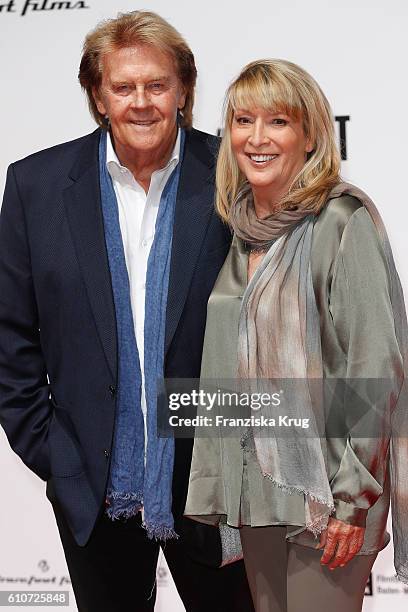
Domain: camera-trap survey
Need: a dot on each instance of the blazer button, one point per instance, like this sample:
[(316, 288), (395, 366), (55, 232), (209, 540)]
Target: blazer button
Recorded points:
[(112, 390), (106, 453)]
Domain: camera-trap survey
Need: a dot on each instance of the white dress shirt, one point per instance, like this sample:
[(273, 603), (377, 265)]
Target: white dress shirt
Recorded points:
[(137, 219)]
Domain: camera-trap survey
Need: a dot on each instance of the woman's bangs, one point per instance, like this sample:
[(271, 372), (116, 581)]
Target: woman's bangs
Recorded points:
[(261, 91)]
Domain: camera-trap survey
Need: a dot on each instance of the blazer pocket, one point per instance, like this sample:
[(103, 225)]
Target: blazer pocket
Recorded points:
[(65, 452)]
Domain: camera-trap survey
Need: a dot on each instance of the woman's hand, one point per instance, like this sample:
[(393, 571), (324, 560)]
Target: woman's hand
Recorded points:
[(341, 542)]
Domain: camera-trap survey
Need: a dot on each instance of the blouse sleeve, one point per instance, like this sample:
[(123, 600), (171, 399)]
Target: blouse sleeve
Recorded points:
[(361, 310)]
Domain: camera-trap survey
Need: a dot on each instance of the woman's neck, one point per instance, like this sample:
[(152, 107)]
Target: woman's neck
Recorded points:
[(265, 203)]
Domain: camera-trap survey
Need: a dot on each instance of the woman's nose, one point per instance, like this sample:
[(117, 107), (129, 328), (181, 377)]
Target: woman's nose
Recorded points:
[(259, 134)]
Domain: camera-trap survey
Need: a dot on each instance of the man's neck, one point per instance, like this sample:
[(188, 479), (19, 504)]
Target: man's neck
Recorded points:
[(142, 164)]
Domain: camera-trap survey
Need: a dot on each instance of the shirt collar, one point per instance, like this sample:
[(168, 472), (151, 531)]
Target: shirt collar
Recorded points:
[(113, 160)]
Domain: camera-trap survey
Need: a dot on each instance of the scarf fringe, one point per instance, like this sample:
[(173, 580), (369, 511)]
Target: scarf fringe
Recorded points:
[(318, 525), (159, 532), (122, 505), (402, 574)]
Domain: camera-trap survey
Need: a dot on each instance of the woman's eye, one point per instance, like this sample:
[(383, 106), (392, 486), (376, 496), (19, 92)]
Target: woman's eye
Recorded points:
[(242, 120), (279, 121)]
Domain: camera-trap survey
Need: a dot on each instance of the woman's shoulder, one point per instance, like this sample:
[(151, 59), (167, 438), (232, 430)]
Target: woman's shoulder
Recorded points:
[(330, 225), (337, 212), (347, 208), (349, 229)]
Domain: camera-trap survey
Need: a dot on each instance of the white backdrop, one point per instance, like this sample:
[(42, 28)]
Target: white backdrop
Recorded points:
[(356, 50)]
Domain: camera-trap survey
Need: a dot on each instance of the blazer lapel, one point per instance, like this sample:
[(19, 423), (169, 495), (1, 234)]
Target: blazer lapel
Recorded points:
[(193, 212), (83, 207)]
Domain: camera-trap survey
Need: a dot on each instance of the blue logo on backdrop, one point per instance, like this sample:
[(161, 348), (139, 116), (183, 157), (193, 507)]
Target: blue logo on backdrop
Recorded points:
[(39, 5)]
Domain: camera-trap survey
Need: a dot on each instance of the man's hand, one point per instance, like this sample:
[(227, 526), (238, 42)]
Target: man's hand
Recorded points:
[(341, 542)]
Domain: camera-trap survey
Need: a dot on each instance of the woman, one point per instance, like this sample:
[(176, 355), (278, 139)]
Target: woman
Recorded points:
[(308, 291)]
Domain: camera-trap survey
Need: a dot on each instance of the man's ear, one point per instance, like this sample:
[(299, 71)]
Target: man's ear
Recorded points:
[(182, 98), (98, 101)]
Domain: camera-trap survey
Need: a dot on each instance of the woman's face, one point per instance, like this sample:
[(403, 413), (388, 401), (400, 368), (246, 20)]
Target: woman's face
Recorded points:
[(270, 149)]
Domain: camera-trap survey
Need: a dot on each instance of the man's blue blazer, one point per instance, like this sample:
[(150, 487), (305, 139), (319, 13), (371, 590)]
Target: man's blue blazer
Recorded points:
[(58, 344)]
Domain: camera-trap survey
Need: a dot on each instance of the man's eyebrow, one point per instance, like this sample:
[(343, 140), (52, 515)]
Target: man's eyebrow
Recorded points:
[(160, 78), (124, 81)]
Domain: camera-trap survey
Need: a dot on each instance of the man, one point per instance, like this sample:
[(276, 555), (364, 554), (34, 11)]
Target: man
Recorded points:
[(109, 248)]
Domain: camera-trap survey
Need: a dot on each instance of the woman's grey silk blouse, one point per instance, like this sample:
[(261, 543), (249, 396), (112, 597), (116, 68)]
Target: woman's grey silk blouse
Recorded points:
[(351, 285)]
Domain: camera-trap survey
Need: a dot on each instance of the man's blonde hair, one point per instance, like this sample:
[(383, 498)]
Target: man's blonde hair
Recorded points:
[(281, 86), (129, 30)]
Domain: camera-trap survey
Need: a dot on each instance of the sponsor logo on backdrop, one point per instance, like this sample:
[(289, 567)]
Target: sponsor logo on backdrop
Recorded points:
[(162, 576), (389, 585), (39, 577), (342, 121), (29, 6), (381, 584), (43, 565)]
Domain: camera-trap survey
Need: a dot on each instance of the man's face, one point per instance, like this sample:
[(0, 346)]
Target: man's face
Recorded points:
[(140, 93)]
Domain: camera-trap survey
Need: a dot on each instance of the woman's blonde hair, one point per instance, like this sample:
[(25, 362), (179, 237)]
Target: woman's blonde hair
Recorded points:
[(128, 30), (281, 86)]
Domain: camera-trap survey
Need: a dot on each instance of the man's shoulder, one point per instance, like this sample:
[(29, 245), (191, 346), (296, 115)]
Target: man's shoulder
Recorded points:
[(204, 137), (203, 144), (57, 156)]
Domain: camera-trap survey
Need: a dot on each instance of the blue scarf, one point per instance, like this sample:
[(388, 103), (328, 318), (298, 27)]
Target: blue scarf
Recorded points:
[(134, 483)]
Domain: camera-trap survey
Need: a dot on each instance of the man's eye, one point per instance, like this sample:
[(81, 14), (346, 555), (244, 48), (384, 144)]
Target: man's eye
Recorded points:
[(156, 87), (122, 89)]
